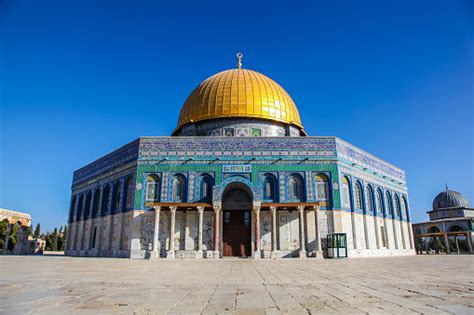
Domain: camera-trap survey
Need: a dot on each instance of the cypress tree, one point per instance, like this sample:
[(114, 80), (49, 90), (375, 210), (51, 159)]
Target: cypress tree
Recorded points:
[(37, 231)]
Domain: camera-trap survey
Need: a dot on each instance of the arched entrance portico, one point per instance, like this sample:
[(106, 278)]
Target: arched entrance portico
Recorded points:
[(236, 207)]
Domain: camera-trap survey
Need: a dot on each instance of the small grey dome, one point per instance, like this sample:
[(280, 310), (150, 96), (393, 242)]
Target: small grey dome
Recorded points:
[(449, 199)]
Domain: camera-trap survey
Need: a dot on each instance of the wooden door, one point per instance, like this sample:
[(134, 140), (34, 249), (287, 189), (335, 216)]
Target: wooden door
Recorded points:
[(236, 234)]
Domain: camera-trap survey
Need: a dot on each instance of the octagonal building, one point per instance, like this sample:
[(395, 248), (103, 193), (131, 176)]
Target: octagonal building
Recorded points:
[(239, 176)]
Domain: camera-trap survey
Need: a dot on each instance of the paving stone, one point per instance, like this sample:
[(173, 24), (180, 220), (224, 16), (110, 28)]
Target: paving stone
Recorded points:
[(388, 285)]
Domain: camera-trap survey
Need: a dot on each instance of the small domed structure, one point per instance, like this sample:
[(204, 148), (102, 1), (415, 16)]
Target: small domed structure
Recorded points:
[(449, 199)]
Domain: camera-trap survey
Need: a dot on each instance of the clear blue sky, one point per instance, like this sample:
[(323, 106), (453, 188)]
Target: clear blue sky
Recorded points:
[(81, 78)]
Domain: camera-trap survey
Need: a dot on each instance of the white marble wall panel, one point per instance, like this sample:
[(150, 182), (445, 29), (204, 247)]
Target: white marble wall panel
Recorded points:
[(164, 231), (105, 233), (310, 233), (191, 230), (266, 230), (208, 230), (179, 231), (125, 241), (389, 228), (116, 231), (347, 228), (371, 232), (359, 227)]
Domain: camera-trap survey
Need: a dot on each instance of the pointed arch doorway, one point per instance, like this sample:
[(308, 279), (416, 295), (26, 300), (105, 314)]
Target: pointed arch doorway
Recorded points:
[(236, 206)]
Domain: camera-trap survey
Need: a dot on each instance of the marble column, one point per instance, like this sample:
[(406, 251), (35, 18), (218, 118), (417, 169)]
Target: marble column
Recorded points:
[(446, 243), (469, 241), (319, 248), (377, 230), (385, 230), (302, 242), (200, 210), (156, 234), (257, 254), (273, 210), (410, 234), (404, 245), (171, 251), (217, 212), (7, 238)]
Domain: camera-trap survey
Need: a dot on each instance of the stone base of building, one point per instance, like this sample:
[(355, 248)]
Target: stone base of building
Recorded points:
[(380, 252)]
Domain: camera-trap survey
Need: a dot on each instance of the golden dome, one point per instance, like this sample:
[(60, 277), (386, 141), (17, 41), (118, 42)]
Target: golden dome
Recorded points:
[(239, 93)]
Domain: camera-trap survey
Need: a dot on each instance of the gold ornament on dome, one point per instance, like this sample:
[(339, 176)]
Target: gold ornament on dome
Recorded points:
[(239, 93)]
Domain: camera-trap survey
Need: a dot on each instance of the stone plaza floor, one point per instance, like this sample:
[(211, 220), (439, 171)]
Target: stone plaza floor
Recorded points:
[(397, 285)]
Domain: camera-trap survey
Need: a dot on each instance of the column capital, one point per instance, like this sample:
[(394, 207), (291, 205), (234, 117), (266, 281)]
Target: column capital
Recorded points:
[(200, 209), (217, 208), (256, 208), (300, 208), (273, 208), (316, 207), (173, 208), (157, 208)]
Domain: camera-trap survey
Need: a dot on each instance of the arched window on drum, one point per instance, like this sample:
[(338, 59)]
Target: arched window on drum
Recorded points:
[(358, 201), (405, 208), (79, 209), (178, 184), (105, 200), (396, 206), (380, 203), (116, 198), (370, 200), (389, 207), (321, 182), (95, 204), (72, 208), (152, 190), (87, 206), (296, 189), (128, 194), (269, 188), (205, 188), (346, 193)]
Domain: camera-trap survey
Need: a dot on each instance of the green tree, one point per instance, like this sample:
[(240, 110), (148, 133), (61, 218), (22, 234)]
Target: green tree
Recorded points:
[(54, 240), (37, 231), (61, 239), (65, 234)]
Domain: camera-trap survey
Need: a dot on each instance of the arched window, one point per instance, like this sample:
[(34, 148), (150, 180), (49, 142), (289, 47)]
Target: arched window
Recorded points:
[(396, 206), (116, 198), (380, 203), (433, 229), (345, 191), (405, 208), (370, 200), (152, 190), (95, 204), (296, 187), (389, 207), (179, 188), (358, 196), (128, 194), (87, 208), (321, 181), (79, 207), (269, 188), (456, 228), (71, 209), (205, 188), (105, 200)]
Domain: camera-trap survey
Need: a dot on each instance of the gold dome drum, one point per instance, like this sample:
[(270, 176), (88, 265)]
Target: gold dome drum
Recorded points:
[(239, 93)]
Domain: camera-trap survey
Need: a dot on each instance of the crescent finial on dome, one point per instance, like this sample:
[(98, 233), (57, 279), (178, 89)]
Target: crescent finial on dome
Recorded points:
[(239, 58)]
